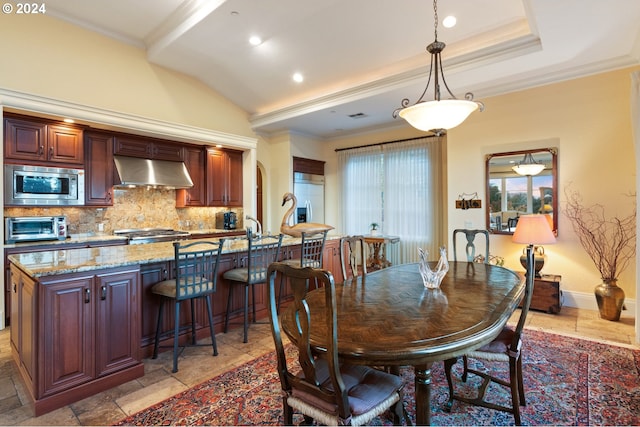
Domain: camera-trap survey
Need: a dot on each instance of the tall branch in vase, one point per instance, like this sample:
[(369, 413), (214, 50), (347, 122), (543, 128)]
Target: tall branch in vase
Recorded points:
[(609, 242), (611, 245)]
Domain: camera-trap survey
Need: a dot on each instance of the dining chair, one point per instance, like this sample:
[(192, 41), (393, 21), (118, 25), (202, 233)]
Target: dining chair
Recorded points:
[(320, 386), (506, 347), (470, 246), (196, 274), (353, 257), (312, 248), (261, 251)]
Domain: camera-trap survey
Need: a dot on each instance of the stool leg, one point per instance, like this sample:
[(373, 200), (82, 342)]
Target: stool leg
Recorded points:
[(246, 312), (212, 327), (155, 346), (193, 322), (226, 319), (176, 330), (253, 302)]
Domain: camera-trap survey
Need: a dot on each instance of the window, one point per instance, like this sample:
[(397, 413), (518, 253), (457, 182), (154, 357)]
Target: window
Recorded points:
[(400, 187)]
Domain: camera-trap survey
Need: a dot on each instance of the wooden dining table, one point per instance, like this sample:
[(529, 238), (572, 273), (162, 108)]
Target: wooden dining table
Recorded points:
[(389, 318)]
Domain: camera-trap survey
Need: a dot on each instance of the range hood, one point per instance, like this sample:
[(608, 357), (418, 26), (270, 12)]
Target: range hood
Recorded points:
[(134, 172)]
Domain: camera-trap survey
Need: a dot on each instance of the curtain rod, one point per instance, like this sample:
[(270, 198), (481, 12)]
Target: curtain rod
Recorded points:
[(384, 143)]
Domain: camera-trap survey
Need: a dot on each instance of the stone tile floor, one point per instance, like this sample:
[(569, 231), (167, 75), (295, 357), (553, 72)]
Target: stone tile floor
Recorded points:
[(197, 365)]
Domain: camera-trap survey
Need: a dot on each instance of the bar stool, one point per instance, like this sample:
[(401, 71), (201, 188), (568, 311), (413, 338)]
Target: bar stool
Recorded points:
[(196, 275), (311, 256), (262, 251)]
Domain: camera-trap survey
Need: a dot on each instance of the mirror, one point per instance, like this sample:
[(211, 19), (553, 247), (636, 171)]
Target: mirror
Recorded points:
[(510, 194)]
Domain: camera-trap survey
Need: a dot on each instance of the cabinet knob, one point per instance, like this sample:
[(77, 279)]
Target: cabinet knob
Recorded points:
[(103, 293), (87, 295)]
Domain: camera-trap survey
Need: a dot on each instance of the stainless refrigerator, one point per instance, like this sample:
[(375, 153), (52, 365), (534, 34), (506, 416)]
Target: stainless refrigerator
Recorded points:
[(309, 190)]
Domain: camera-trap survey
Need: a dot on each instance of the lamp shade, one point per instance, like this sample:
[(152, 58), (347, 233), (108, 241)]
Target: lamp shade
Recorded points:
[(533, 230), (443, 114)]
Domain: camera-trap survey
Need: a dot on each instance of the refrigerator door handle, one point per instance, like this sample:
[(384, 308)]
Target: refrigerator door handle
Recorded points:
[(309, 211)]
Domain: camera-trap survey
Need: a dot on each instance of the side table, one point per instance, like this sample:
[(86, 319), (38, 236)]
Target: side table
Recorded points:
[(547, 295), (378, 251)]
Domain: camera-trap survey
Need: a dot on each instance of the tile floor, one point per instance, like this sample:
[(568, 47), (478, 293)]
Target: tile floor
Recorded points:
[(158, 383)]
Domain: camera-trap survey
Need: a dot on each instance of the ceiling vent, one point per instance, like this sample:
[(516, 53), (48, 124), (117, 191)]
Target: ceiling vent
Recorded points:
[(357, 115)]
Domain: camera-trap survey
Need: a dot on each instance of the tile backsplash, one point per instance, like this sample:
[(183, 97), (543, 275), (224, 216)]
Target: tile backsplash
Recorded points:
[(132, 208)]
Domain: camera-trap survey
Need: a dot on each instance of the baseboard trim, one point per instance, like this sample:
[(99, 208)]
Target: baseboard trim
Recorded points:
[(587, 301)]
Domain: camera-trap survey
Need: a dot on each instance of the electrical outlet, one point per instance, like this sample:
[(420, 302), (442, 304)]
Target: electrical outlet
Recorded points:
[(100, 226)]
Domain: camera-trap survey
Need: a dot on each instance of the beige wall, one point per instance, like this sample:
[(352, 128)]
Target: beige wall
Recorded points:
[(588, 120)]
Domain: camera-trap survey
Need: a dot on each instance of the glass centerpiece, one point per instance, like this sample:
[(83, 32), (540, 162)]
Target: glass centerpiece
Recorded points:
[(433, 277)]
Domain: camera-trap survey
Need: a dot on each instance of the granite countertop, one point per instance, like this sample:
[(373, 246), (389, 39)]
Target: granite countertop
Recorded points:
[(64, 261)]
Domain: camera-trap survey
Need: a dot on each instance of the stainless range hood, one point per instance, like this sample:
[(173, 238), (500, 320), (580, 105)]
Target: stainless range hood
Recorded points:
[(135, 172)]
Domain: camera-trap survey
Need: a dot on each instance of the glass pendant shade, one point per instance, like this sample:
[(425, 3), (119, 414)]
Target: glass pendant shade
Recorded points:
[(435, 115)]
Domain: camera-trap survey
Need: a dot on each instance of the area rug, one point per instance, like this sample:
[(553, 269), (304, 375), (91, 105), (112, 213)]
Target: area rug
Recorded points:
[(568, 381)]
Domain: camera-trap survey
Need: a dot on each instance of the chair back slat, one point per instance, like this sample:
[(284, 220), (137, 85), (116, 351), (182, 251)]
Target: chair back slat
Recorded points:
[(353, 257), (470, 246), (196, 268), (312, 249), (262, 251)]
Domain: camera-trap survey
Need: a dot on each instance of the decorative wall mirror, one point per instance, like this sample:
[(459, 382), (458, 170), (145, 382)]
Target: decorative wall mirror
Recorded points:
[(520, 183)]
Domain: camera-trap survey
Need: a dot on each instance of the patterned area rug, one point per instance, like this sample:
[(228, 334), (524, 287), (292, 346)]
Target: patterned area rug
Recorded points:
[(568, 381)]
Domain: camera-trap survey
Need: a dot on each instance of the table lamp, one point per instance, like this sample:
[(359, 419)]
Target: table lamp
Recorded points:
[(532, 230)]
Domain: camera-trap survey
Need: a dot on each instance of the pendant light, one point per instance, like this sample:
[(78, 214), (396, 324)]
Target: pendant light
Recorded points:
[(528, 166), (438, 115)]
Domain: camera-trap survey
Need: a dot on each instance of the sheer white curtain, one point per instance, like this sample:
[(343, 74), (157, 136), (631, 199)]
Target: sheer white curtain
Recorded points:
[(400, 186), (361, 177)]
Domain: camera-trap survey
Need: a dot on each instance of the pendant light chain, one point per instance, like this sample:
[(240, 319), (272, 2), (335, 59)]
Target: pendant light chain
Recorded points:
[(435, 15)]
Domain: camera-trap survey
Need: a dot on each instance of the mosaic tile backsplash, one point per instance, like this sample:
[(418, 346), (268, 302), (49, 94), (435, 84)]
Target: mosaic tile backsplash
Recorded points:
[(132, 208)]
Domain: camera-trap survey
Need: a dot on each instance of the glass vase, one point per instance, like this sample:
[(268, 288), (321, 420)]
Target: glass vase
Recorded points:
[(431, 278)]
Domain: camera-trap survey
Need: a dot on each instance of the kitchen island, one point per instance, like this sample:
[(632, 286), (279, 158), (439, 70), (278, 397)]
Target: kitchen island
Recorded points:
[(83, 319)]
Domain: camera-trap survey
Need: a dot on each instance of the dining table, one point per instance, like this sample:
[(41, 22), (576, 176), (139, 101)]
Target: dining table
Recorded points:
[(389, 318)]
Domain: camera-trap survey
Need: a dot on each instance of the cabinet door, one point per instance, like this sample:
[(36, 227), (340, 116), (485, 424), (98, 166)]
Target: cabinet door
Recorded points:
[(167, 151), (131, 146), (234, 178), (65, 145), (24, 140), (14, 288), (66, 337), (100, 168), (224, 178), (216, 178), (150, 274), (117, 329), (331, 260), (28, 308), (194, 159)]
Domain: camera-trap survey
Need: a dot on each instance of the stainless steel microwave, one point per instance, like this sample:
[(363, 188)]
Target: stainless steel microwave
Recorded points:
[(43, 186)]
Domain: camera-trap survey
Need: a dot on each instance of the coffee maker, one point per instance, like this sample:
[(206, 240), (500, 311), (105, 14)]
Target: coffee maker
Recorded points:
[(227, 220)]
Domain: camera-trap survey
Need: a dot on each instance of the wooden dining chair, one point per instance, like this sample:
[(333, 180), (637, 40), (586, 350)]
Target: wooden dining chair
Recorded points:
[(506, 347), (320, 386), (470, 246), (261, 251), (312, 248), (353, 257), (196, 274)]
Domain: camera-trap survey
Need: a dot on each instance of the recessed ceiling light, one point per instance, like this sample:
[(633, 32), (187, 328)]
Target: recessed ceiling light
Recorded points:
[(69, 121), (297, 77), (449, 21), (255, 40)]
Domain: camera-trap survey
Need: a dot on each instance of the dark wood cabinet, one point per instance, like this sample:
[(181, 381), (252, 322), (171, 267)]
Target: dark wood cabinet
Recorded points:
[(224, 178), (99, 169), (77, 333), (147, 148), (34, 141), (23, 307), (194, 160), (547, 295)]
